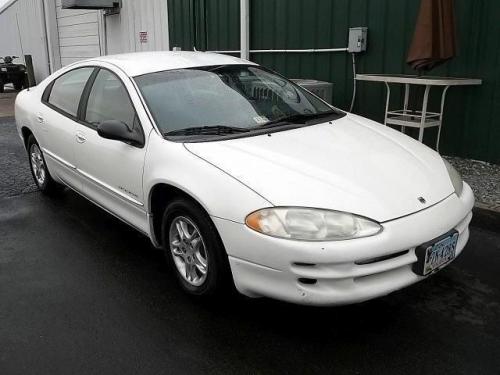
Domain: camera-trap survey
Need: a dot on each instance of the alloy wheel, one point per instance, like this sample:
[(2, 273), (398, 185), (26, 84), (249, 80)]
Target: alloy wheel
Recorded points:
[(38, 165), (188, 250)]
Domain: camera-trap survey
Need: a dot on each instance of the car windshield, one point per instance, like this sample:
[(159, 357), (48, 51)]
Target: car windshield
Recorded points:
[(226, 100)]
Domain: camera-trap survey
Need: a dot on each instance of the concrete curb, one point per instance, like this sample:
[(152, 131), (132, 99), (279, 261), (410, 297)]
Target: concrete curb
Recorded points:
[(7, 104), (8, 118)]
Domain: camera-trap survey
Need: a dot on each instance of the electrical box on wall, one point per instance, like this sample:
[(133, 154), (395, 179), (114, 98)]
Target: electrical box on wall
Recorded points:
[(357, 39), (91, 4)]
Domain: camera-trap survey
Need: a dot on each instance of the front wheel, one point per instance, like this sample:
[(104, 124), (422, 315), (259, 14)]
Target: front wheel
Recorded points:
[(194, 250)]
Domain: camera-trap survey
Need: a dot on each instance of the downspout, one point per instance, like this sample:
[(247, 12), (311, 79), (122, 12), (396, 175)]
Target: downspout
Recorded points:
[(48, 42), (245, 29), (166, 46), (103, 33)]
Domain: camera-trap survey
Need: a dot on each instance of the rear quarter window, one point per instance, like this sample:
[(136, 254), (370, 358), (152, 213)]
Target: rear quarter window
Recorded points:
[(67, 89)]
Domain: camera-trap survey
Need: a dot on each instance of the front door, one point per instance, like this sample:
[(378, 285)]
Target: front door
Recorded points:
[(112, 170)]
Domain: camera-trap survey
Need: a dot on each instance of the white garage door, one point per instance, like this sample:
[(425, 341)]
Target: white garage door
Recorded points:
[(78, 34)]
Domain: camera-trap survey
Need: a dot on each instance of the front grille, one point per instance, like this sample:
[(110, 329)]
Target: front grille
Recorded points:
[(302, 264), (381, 258), (343, 271), (305, 280)]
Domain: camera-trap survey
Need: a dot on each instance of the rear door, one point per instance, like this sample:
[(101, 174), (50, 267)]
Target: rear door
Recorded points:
[(112, 170), (57, 118)]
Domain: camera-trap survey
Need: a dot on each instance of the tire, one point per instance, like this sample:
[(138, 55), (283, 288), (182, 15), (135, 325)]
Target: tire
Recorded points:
[(209, 250), (18, 84), (39, 169), (1, 87)]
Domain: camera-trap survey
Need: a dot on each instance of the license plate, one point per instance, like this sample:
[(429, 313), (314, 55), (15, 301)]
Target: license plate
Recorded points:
[(3, 69), (435, 254)]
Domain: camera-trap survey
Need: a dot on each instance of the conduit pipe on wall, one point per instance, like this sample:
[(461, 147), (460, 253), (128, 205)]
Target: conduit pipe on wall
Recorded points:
[(245, 29), (307, 50), (48, 11), (48, 44)]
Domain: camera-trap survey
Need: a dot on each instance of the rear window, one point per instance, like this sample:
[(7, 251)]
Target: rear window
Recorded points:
[(67, 90)]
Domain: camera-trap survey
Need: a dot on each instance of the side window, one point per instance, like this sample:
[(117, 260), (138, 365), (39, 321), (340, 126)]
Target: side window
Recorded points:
[(67, 90), (109, 100)]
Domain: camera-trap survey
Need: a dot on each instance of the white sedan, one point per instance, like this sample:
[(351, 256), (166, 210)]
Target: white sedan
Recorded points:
[(244, 178)]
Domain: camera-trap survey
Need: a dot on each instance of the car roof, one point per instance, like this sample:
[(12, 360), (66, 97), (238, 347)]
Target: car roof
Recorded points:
[(138, 63)]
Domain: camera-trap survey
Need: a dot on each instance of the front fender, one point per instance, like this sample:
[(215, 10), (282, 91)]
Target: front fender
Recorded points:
[(219, 193)]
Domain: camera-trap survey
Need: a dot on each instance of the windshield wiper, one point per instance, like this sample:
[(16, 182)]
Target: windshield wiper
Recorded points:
[(207, 130), (298, 118)]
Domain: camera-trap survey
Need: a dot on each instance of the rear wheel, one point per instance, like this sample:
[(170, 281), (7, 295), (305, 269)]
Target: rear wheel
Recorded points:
[(39, 170), (1, 87), (194, 250)]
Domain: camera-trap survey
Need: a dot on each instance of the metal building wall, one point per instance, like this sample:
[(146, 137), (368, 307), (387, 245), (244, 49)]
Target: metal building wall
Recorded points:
[(80, 34), (471, 125), (137, 16), (22, 32)]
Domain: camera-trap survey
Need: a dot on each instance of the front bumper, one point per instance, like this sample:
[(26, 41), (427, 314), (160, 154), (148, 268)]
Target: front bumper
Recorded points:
[(341, 272)]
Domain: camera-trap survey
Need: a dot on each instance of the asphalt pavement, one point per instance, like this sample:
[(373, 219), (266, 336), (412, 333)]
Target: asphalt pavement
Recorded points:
[(82, 293)]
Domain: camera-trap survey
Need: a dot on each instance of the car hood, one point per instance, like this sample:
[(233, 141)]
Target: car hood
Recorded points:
[(351, 164)]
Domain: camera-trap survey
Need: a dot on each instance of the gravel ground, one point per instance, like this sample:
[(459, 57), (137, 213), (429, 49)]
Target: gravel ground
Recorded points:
[(14, 169), (484, 179)]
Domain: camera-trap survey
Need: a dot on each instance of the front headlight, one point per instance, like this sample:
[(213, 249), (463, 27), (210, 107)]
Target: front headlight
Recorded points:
[(311, 224), (456, 179)]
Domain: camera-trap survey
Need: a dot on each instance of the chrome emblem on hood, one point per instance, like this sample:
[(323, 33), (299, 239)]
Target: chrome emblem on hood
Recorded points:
[(422, 200)]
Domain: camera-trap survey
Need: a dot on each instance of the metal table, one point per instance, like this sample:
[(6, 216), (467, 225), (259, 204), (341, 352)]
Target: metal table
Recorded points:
[(413, 118)]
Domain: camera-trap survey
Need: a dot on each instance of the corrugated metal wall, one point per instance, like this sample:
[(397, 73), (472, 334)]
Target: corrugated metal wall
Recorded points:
[(471, 126), (206, 25), (22, 33), (136, 16)]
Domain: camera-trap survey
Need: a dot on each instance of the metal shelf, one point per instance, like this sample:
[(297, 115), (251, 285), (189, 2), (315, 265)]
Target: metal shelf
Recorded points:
[(413, 119)]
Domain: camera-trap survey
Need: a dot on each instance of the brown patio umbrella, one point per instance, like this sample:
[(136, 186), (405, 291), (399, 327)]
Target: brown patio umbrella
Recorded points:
[(434, 41)]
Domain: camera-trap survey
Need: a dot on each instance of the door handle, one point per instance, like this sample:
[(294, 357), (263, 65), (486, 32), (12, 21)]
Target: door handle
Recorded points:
[(39, 117), (80, 137)]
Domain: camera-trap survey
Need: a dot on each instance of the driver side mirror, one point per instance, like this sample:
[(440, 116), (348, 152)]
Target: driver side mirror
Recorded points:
[(119, 131)]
